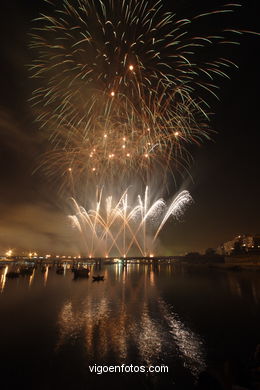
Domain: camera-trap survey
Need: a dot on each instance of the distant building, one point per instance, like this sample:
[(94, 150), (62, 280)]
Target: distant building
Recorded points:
[(240, 244)]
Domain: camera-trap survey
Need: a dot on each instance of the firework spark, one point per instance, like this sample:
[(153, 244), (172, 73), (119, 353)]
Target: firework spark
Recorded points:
[(124, 91), (120, 227), (124, 86), (118, 145)]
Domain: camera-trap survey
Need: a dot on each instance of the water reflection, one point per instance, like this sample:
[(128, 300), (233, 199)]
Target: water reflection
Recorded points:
[(45, 275), (3, 277), (140, 314), (149, 337), (122, 319), (243, 284), (189, 344), (31, 278)]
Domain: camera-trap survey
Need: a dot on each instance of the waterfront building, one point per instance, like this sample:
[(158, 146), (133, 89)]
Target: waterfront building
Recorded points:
[(242, 243)]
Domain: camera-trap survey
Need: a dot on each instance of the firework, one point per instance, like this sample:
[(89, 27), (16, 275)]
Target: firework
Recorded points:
[(124, 86), (120, 227), (117, 145)]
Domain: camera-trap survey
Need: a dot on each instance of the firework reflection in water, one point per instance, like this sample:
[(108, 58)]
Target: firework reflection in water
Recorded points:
[(143, 317), (118, 227)]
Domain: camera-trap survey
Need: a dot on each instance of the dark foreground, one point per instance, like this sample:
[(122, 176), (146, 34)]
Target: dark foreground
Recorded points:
[(202, 324)]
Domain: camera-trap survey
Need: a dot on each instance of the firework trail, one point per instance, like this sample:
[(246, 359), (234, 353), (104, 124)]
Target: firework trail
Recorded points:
[(124, 92), (120, 227), (124, 86)]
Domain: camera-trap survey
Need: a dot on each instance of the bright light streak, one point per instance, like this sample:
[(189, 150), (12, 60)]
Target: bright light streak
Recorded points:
[(119, 228)]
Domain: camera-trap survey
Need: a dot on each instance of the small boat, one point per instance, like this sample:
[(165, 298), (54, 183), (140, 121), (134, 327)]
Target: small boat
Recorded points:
[(98, 278), (12, 274), (26, 271), (81, 273), (60, 270)]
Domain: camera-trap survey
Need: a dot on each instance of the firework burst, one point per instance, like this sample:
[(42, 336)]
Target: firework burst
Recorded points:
[(119, 142), (121, 227), (124, 86)]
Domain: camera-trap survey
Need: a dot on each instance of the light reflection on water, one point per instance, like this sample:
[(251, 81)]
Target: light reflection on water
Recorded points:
[(140, 315), (189, 344), (31, 278), (45, 275), (3, 278), (122, 317)]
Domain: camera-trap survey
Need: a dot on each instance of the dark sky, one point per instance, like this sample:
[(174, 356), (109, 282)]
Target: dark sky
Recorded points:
[(225, 172)]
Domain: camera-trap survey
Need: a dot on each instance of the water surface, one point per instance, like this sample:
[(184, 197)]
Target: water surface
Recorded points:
[(53, 327)]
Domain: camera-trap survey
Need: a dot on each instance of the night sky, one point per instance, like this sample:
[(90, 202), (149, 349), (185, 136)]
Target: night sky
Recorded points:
[(225, 173)]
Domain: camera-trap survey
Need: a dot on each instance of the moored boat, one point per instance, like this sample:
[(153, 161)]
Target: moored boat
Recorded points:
[(98, 278)]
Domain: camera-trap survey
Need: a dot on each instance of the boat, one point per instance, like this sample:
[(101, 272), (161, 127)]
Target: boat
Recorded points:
[(81, 273), (98, 278), (12, 274)]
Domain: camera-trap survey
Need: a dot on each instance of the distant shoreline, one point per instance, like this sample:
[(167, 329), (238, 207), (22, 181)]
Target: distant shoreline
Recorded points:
[(237, 262)]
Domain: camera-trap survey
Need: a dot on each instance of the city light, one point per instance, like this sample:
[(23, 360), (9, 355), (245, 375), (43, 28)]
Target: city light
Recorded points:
[(9, 253)]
